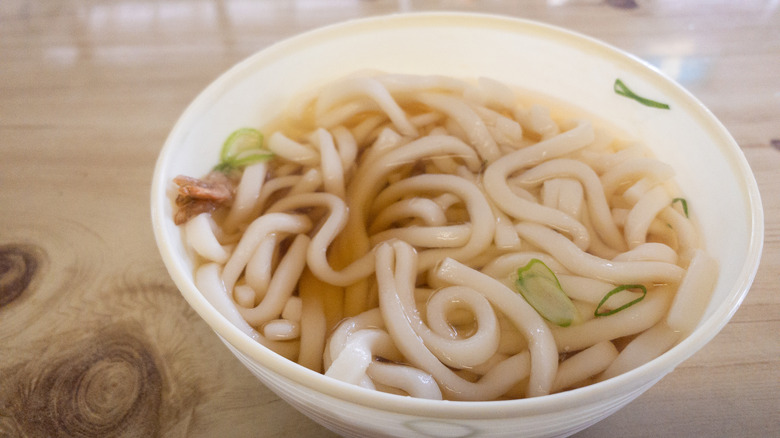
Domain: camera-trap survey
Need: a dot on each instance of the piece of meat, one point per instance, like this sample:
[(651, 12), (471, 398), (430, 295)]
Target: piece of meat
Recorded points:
[(198, 196)]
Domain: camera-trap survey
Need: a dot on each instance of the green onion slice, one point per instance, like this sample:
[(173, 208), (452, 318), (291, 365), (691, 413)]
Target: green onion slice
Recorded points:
[(621, 89), (542, 290), (624, 306), (243, 147), (684, 204)]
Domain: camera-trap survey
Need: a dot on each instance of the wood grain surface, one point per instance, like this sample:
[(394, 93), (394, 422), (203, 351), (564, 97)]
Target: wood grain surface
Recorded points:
[(95, 339)]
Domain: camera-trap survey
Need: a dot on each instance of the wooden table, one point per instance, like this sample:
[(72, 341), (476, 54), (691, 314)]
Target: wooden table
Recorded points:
[(95, 338)]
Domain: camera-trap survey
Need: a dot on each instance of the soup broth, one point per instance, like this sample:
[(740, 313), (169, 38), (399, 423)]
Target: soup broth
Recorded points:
[(450, 239)]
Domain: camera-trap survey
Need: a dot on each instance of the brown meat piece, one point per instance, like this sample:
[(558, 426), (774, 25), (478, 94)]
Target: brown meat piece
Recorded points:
[(198, 196)]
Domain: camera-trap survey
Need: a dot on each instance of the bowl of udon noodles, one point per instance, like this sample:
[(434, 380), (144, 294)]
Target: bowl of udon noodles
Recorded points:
[(455, 225)]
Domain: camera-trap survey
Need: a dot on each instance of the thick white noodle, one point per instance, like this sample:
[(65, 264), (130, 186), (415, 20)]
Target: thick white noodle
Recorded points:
[(344, 112), (353, 243), (506, 265), (494, 93), (281, 330), (472, 125), (505, 237), (580, 262), (694, 293), (291, 150), (347, 147), (368, 88), (447, 236), (603, 162), (633, 170), (592, 291), (254, 234), (202, 239), (317, 256), (497, 382), (629, 321), (461, 352), (331, 165), (495, 181), (365, 131), (386, 140), (482, 223), (596, 202), (508, 134), (245, 296), (643, 213), (412, 84), (246, 196), (636, 191), (424, 209), (259, 268), (282, 284), (273, 186), (642, 349), (209, 283), (360, 350), (585, 364), (565, 194), (544, 356), (687, 237), (338, 339), (649, 251), (292, 309), (453, 352), (412, 381), (310, 182), (537, 119)]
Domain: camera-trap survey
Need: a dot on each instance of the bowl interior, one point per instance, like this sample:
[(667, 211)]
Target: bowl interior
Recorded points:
[(711, 170)]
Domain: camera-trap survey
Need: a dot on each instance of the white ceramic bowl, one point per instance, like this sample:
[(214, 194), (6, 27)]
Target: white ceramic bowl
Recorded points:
[(711, 170)]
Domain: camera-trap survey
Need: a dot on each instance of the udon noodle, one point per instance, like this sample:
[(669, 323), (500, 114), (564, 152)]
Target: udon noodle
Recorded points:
[(381, 245)]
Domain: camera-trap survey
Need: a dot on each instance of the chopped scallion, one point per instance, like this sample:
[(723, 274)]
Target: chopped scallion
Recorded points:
[(684, 204), (624, 306), (542, 290), (621, 89), (243, 147)]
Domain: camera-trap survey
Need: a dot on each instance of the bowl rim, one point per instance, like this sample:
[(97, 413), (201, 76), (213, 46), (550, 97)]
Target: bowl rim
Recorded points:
[(705, 331)]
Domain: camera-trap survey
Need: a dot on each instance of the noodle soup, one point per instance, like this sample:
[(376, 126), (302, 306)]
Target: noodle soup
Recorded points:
[(447, 239)]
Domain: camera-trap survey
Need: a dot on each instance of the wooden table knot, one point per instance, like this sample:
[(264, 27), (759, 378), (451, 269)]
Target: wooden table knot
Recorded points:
[(106, 384), (18, 265)]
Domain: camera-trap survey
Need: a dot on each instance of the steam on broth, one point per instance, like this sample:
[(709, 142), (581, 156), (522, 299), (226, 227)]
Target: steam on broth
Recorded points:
[(447, 239)]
